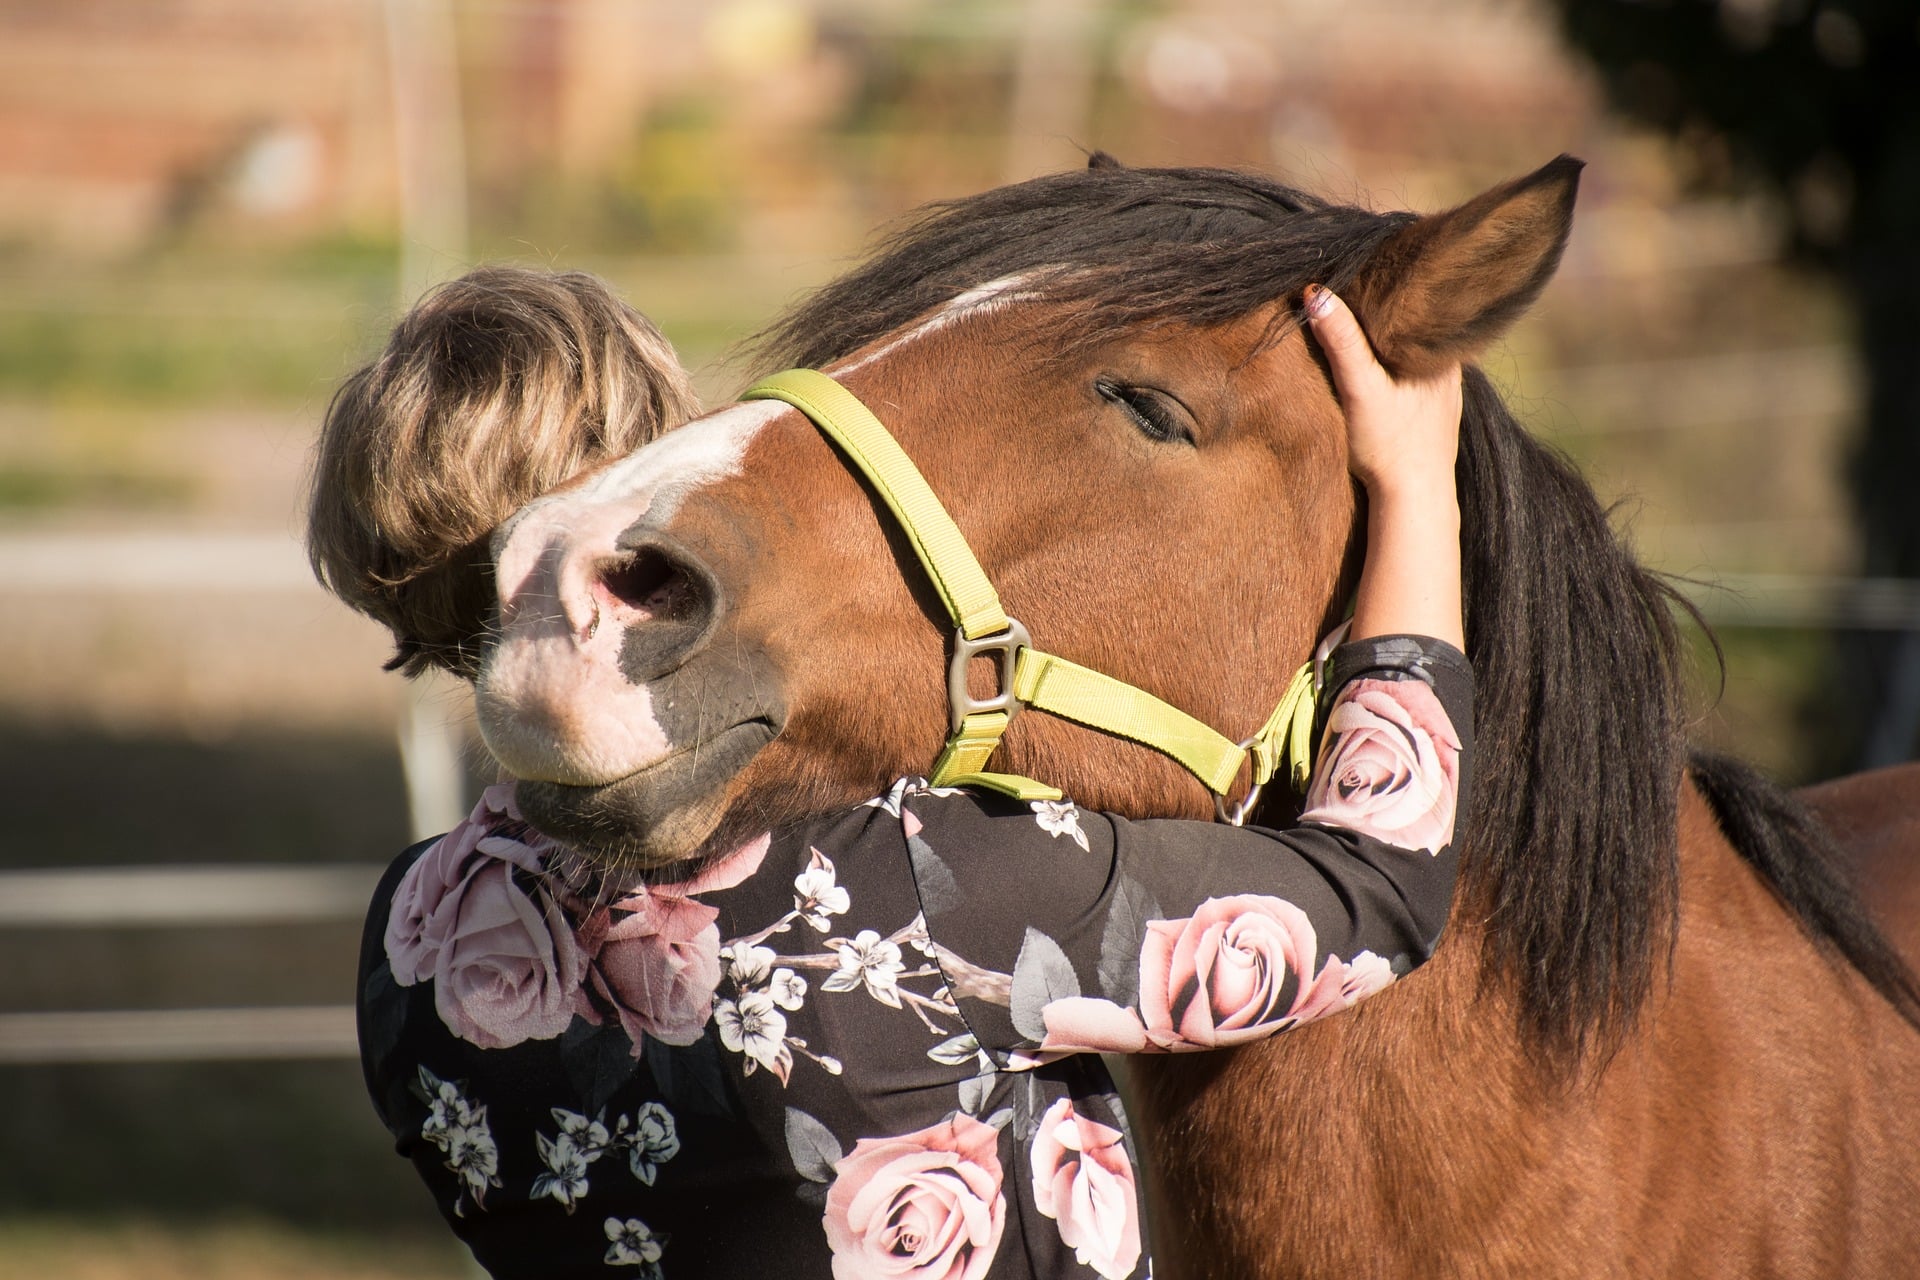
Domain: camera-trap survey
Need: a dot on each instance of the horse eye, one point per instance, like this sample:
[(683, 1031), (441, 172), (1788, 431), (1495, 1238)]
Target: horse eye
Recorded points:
[(1148, 409)]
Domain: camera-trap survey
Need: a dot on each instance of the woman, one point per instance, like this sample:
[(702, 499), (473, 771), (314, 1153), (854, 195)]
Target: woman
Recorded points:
[(864, 1046)]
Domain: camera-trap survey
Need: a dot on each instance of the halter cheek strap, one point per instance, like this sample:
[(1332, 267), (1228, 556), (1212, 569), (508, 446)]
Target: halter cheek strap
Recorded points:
[(1028, 677)]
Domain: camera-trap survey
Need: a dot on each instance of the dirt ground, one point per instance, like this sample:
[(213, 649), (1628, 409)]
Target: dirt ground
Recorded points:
[(62, 1249)]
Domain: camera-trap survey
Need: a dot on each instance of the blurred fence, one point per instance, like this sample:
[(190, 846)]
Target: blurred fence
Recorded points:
[(195, 897)]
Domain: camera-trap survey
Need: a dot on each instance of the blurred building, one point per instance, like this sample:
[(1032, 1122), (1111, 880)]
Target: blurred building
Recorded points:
[(123, 119)]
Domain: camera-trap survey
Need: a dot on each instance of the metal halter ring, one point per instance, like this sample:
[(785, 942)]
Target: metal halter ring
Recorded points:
[(1006, 646), (1235, 815)]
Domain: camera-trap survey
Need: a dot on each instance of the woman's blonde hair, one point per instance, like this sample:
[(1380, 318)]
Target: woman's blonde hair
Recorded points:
[(493, 389)]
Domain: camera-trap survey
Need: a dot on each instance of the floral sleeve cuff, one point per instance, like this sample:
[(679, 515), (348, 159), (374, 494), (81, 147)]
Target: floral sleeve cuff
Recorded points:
[(1398, 739)]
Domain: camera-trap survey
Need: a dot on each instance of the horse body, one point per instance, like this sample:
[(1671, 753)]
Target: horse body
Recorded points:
[(1875, 819), (1643, 1048), (1760, 1123)]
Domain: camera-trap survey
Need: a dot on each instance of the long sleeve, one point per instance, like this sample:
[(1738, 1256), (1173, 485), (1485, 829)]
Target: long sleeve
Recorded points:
[(1062, 930)]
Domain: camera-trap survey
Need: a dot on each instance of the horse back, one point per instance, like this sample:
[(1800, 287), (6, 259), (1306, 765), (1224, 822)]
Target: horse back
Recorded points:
[(1874, 818)]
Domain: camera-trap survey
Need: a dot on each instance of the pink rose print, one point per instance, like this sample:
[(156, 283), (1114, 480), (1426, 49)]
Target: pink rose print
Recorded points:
[(657, 967), (508, 964), (1083, 1180), (495, 829), (1341, 983), (504, 959), (1087, 1024), (658, 961), (922, 1206), (1393, 770), (1215, 978)]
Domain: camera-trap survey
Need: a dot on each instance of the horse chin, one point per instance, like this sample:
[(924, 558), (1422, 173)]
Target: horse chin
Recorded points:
[(655, 816)]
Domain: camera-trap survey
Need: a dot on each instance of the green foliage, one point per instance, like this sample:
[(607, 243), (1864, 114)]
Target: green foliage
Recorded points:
[(27, 487), (1822, 101), (192, 326)]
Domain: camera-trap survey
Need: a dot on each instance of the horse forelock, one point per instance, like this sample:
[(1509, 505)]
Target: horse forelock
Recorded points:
[(1130, 246)]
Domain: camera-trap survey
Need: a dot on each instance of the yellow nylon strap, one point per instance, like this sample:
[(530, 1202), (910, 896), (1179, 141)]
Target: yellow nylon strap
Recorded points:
[(970, 598), (1087, 697), (963, 761), (1287, 736), (1041, 680), (967, 750)]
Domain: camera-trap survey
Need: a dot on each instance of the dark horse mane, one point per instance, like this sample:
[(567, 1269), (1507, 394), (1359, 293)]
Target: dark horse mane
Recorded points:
[(1569, 847)]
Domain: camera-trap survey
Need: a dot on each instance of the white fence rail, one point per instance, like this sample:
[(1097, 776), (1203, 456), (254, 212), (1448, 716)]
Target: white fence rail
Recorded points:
[(199, 896), (1812, 603), (178, 1035), (180, 896)]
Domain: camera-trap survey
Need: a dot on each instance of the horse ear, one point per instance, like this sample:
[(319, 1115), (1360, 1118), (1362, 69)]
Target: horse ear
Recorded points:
[(1443, 287), (1101, 160)]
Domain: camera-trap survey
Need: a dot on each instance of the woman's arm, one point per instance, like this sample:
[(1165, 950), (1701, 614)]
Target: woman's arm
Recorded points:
[(1401, 442), (1150, 936)]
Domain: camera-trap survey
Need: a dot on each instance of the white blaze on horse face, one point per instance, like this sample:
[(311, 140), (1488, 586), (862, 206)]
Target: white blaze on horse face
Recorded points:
[(553, 702), (978, 300)]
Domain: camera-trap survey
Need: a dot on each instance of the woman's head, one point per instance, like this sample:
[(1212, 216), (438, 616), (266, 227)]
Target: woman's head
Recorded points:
[(493, 389)]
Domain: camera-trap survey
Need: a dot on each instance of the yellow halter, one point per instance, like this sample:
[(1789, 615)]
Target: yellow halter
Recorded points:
[(1028, 677)]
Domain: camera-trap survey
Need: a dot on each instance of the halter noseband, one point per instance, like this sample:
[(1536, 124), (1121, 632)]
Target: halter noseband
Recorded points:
[(1028, 677)]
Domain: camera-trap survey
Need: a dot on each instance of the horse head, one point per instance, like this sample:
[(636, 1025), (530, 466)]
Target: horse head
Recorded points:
[(1102, 376)]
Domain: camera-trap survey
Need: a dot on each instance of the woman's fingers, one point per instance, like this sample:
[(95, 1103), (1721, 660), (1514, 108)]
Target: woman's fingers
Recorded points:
[(1399, 433), (1349, 354)]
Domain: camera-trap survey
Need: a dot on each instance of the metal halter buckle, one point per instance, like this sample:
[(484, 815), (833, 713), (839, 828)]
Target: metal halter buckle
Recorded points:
[(1235, 815), (1007, 645)]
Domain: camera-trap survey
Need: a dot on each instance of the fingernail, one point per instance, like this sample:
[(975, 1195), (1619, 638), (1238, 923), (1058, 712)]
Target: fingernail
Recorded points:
[(1318, 300)]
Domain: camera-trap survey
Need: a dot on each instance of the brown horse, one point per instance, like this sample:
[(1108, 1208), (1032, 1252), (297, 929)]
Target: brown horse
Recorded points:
[(1874, 818), (1659, 1038)]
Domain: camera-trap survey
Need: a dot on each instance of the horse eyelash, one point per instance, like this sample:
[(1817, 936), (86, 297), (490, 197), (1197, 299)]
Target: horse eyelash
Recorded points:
[(1146, 411)]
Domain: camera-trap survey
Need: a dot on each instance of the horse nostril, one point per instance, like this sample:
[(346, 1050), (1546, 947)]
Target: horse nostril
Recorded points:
[(649, 582), (665, 599)]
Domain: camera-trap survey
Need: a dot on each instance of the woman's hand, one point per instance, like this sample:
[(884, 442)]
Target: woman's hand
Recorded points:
[(1402, 437)]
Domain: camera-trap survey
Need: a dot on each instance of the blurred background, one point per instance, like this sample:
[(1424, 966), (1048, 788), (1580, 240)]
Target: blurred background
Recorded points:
[(211, 210)]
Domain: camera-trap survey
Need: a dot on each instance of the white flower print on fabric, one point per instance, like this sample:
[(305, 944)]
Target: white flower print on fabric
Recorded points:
[(566, 1176), (816, 896), (459, 1128), (632, 1243), (755, 1027), (649, 1137), (904, 787), (917, 936), (788, 989), (751, 968), (1060, 818), (655, 1141), (868, 960), (767, 984), (748, 966)]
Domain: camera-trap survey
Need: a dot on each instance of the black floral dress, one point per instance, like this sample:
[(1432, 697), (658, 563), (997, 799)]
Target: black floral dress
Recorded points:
[(866, 1047)]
